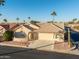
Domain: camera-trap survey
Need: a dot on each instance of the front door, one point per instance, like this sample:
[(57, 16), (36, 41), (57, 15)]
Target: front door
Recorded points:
[(32, 36)]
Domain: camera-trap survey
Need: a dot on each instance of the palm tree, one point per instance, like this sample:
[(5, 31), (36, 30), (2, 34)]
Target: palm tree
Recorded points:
[(0, 14), (2, 2), (29, 19), (17, 19), (75, 19), (34, 22), (24, 21), (53, 14), (5, 20)]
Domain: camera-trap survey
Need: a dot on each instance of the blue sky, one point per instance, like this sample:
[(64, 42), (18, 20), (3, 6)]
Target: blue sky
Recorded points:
[(40, 10)]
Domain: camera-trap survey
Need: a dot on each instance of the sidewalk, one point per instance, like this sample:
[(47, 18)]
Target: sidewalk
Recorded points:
[(14, 44), (68, 51)]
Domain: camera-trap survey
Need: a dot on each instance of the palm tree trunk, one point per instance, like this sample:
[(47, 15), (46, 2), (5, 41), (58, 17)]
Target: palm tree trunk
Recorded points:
[(53, 18)]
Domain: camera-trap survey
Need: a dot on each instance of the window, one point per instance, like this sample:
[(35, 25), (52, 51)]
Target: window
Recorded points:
[(20, 35)]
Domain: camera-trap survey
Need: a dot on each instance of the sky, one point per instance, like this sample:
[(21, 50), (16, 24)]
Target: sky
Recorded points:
[(40, 10)]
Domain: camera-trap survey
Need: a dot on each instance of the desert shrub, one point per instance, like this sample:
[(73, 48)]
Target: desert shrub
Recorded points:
[(76, 27)]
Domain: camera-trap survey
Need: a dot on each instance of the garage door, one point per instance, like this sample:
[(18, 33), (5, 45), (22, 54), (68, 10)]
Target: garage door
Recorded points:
[(45, 36)]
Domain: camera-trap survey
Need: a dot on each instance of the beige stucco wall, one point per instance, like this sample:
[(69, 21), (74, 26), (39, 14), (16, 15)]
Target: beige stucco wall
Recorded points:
[(48, 36), (45, 36)]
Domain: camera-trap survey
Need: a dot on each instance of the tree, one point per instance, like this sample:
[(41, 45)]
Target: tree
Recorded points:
[(53, 14), (75, 19), (29, 19), (5, 20), (24, 21), (8, 35), (0, 14), (17, 19), (49, 21), (2, 2), (34, 22)]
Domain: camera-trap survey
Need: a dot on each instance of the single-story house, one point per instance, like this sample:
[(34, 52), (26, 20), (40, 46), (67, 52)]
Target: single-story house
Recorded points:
[(3, 28), (50, 31)]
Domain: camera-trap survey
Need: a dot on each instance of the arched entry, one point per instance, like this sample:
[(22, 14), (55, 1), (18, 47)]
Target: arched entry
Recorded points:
[(32, 36)]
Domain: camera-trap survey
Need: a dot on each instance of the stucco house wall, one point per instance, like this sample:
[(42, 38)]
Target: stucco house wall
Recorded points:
[(45, 36), (49, 31), (49, 36)]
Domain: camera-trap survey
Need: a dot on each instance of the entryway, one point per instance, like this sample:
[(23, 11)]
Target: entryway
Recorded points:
[(33, 36)]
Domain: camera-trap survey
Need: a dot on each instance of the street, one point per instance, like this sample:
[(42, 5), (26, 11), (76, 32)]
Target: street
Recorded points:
[(24, 53)]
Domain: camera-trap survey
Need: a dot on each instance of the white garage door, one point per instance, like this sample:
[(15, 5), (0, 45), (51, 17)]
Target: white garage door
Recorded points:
[(45, 36)]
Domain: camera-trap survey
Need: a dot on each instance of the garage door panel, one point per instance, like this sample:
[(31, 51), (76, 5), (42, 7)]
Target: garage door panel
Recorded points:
[(45, 36)]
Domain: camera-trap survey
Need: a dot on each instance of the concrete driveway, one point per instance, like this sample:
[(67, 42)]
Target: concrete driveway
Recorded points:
[(47, 45), (24, 53)]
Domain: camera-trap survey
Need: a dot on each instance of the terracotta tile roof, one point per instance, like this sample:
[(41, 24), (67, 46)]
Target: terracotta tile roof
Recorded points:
[(27, 26), (49, 28), (10, 26), (44, 27), (6, 26), (13, 26), (59, 25)]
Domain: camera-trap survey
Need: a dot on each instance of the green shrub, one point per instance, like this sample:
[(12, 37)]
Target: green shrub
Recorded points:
[(8, 36)]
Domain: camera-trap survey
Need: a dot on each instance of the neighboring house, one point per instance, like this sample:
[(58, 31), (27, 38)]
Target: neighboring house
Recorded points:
[(3, 28), (72, 25), (21, 32)]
